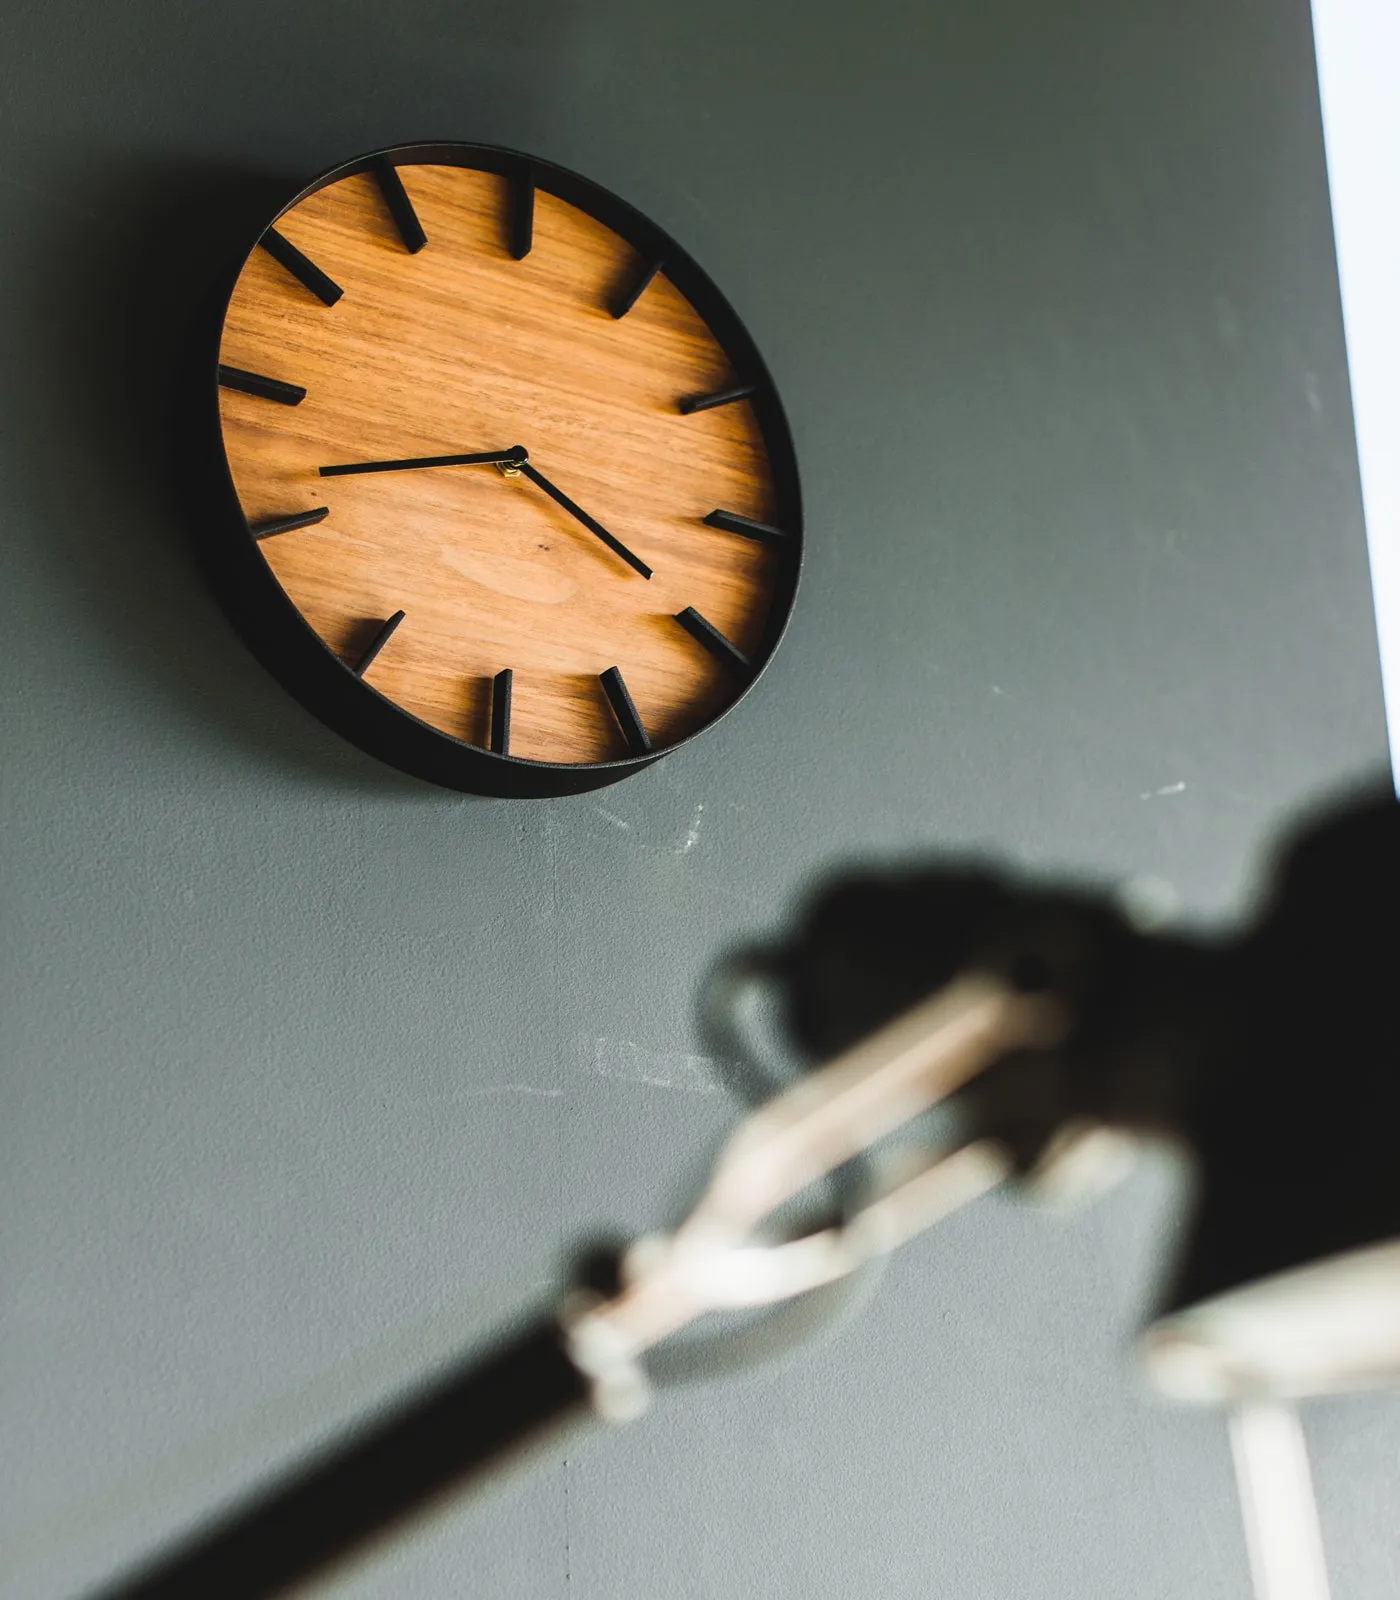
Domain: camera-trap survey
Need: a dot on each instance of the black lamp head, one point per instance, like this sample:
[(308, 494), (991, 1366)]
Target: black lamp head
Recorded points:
[(1273, 1060), (1289, 1282)]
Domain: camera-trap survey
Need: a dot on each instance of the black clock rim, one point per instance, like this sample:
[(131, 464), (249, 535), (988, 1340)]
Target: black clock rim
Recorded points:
[(306, 666)]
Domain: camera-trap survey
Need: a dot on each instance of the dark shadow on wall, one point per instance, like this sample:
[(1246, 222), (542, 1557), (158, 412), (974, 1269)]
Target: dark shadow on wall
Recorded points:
[(123, 297)]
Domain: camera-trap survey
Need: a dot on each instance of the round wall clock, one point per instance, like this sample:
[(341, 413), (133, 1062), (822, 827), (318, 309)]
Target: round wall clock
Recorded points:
[(508, 495)]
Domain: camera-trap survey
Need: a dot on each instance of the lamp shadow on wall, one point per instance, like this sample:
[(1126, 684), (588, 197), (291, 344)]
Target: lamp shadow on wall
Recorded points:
[(126, 298)]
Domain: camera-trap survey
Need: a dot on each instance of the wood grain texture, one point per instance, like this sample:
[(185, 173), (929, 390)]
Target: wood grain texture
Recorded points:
[(460, 348)]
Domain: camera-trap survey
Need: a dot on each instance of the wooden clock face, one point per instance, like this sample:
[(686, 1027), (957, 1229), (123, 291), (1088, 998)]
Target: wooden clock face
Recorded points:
[(617, 565)]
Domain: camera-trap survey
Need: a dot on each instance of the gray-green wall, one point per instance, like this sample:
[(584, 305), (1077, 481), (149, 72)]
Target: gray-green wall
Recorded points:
[(311, 1072)]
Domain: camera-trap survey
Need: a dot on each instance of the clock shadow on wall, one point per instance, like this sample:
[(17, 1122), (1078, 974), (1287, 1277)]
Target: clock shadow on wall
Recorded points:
[(121, 290)]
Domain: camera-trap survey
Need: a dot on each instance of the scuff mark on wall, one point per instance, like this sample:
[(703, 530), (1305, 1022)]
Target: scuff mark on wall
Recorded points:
[(692, 834), (657, 1069)]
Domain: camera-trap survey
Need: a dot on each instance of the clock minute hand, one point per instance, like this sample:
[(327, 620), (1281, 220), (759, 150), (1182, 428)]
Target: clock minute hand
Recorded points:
[(512, 457), (561, 499)]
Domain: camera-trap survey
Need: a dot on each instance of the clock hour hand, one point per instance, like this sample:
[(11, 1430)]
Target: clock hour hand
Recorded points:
[(561, 499), (512, 457)]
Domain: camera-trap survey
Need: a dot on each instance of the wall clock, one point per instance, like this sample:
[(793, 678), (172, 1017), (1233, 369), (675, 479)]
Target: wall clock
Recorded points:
[(506, 494)]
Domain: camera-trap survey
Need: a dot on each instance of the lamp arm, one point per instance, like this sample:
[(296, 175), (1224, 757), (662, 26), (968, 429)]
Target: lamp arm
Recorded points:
[(471, 1422)]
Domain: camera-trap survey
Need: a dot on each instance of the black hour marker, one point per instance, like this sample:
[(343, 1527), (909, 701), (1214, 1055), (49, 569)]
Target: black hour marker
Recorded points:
[(500, 712), (287, 394), (633, 733), (302, 519), (707, 634), (301, 267), (400, 206), (629, 291), (521, 227), (732, 522), (377, 643), (707, 402)]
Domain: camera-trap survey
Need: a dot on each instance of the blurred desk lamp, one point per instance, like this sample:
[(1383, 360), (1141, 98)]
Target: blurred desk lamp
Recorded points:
[(972, 1031)]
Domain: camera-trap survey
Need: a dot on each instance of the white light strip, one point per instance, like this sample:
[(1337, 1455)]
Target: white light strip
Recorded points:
[(1358, 68), (1276, 1499)]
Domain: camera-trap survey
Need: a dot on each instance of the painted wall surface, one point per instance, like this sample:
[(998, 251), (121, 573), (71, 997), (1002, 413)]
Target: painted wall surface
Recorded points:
[(311, 1073)]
